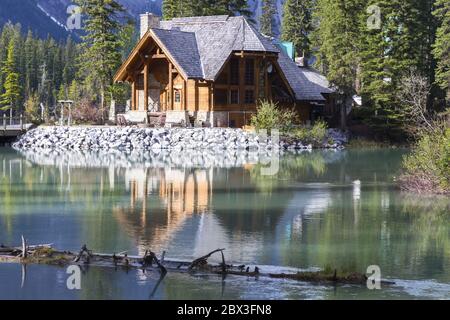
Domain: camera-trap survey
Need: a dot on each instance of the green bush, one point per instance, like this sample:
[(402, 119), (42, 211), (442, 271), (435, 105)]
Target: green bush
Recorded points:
[(427, 168), (315, 134), (270, 116)]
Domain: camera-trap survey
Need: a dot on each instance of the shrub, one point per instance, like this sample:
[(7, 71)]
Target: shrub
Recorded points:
[(86, 112), (427, 168), (270, 116), (315, 134)]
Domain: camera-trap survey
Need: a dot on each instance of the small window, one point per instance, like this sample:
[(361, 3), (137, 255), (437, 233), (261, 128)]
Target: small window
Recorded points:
[(234, 96), (249, 97), (177, 96), (249, 72), (234, 71), (220, 97)]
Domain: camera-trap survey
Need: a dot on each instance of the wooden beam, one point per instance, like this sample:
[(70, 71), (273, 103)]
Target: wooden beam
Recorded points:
[(254, 54), (146, 85), (133, 93), (185, 95), (159, 56), (256, 82), (266, 82)]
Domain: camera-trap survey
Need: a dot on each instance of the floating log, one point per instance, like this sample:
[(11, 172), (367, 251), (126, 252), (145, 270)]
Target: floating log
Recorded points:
[(45, 254)]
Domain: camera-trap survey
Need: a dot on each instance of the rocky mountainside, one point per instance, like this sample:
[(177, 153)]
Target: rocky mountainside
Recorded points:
[(49, 16), (256, 7)]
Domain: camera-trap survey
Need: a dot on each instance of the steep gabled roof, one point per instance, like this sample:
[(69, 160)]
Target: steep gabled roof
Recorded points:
[(217, 37), (182, 46)]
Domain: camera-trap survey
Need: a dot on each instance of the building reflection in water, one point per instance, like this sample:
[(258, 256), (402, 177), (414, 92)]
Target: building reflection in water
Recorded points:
[(165, 199)]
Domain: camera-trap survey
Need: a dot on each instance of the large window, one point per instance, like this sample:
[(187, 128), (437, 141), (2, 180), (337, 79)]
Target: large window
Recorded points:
[(249, 97), (234, 71), (249, 72), (220, 97), (234, 96)]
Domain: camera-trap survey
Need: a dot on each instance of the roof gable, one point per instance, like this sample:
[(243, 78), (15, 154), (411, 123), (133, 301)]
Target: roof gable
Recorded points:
[(218, 36), (182, 46)]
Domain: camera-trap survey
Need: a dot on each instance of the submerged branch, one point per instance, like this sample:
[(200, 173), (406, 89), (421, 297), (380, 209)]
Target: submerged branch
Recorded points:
[(45, 254)]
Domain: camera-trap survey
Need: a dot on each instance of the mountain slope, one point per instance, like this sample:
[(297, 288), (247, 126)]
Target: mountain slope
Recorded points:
[(50, 16), (45, 17), (30, 16)]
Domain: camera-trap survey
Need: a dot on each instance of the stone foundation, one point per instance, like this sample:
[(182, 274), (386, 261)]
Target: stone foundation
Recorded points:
[(131, 138)]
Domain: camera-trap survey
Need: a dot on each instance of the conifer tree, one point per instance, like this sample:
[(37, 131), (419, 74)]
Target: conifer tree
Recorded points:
[(337, 39), (182, 8), (11, 95), (266, 18), (441, 48), (402, 43), (297, 25), (101, 56)]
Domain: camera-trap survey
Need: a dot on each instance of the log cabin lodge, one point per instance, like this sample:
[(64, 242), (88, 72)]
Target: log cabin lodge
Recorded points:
[(212, 71)]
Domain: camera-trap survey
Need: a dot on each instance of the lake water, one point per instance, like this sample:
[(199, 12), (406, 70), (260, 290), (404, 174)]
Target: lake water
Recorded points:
[(323, 209)]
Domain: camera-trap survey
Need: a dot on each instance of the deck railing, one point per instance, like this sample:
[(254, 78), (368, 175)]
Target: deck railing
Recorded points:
[(13, 121)]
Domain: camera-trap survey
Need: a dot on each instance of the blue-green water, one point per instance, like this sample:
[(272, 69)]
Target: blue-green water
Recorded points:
[(323, 209)]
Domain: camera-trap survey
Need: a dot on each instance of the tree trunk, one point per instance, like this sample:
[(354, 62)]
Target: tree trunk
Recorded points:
[(344, 114), (102, 102)]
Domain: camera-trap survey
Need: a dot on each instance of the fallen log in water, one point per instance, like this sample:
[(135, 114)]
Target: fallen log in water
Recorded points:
[(45, 254)]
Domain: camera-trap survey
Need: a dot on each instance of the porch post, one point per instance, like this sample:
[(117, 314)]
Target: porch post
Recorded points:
[(146, 86), (133, 94), (170, 87), (185, 95)]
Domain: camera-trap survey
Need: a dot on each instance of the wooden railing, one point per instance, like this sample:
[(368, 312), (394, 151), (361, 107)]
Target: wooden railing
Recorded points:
[(13, 121)]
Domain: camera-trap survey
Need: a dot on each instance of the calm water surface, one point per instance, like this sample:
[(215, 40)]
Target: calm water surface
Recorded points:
[(323, 209)]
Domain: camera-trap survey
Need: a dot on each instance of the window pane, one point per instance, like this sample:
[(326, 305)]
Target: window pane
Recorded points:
[(249, 72), (177, 96), (249, 97), (234, 71), (220, 97), (234, 96)]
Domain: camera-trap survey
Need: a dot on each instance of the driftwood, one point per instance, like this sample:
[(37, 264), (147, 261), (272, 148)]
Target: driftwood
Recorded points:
[(45, 254)]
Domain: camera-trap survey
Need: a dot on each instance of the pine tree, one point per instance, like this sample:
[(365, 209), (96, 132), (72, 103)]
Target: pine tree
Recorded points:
[(12, 89), (297, 25), (441, 48), (337, 39), (30, 63), (182, 8), (403, 42), (266, 18), (101, 56)]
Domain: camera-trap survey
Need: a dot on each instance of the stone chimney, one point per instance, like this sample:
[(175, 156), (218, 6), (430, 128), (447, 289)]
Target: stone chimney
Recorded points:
[(148, 20)]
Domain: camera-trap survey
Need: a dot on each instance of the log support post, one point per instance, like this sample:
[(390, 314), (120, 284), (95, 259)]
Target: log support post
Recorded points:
[(170, 95), (133, 93), (146, 85)]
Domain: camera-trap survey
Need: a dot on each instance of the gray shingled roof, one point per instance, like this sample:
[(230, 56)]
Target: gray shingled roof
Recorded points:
[(183, 48), (202, 45), (306, 83), (217, 37)]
